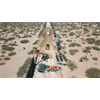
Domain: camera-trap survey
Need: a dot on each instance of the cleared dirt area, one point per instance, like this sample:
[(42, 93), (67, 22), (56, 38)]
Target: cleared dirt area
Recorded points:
[(52, 61)]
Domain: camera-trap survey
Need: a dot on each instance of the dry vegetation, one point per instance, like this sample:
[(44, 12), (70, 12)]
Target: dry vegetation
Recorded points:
[(79, 40)]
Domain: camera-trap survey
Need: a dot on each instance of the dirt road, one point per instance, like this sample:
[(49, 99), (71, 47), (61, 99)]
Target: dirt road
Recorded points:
[(11, 67)]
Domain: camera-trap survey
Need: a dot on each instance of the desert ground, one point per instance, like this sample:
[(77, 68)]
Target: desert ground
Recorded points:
[(69, 33), (10, 68)]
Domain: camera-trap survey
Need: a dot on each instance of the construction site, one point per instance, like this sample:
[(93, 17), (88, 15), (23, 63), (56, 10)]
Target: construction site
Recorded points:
[(49, 60), (49, 50)]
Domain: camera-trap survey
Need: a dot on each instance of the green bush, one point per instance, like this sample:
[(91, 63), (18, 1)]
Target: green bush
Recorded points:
[(2, 63), (24, 48), (88, 47), (63, 47), (24, 68), (3, 52), (95, 58), (86, 51), (96, 48), (97, 42), (4, 47), (11, 38), (59, 36), (31, 52), (86, 30), (90, 40), (73, 51), (95, 34), (12, 44), (71, 34), (83, 42), (24, 41), (63, 35), (27, 36), (73, 77), (11, 53), (74, 44), (10, 48), (36, 42), (0, 59), (81, 60), (88, 35), (71, 65), (64, 52), (69, 40), (2, 55), (6, 58), (93, 73), (61, 41)]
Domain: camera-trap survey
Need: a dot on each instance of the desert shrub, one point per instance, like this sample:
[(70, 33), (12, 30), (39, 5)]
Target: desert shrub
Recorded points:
[(88, 47), (2, 55), (24, 48), (97, 42), (90, 54), (88, 35), (83, 58), (69, 40), (61, 41), (90, 40), (41, 32), (73, 77), (27, 36), (83, 42), (11, 53), (64, 52), (0, 59), (10, 48), (96, 48), (86, 30), (86, 51), (63, 47), (74, 44), (3, 52), (24, 41), (73, 51), (6, 58), (65, 43), (11, 38), (2, 63), (71, 34), (2, 39), (93, 73), (59, 36), (12, 44), (31, 52), (4, 47), (95, 58), (63, 35), (77, 36), (71, 65), (35, 42), (18, 36), (24, 68), (95, 34)]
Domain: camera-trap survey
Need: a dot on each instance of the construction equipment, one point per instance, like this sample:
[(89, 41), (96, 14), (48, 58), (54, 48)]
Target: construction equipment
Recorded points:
[(47, 46), (42, 67), (57, 57), (53, 68)]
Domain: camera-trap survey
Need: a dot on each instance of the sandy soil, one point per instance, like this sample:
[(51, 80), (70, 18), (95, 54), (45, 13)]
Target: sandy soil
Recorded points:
[(11, 67), (82, 66)]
